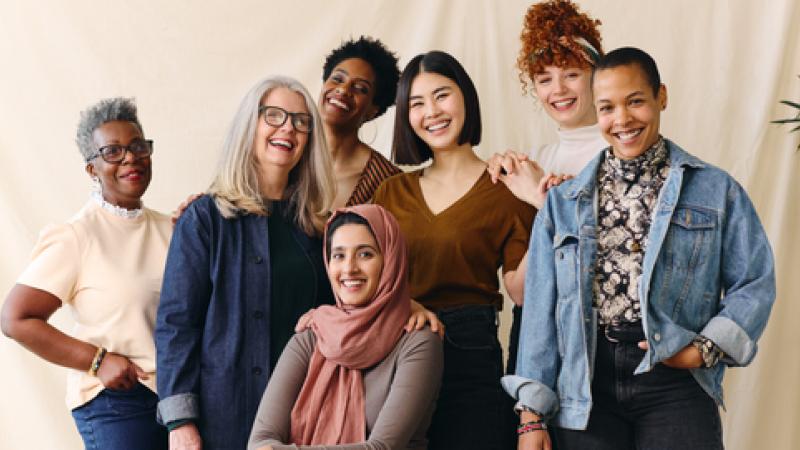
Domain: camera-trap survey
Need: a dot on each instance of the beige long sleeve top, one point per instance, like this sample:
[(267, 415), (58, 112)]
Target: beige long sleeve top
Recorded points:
[(400, 395)]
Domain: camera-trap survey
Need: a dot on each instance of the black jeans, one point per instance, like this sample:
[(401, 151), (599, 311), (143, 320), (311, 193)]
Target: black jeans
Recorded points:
[(469, 412), (659, 410)]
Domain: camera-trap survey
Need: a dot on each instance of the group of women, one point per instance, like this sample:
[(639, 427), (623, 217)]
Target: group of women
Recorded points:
[(301, 216)]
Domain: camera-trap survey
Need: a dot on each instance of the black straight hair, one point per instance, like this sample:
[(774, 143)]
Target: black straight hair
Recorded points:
[(629, 56), (407, 147), (344, 219)]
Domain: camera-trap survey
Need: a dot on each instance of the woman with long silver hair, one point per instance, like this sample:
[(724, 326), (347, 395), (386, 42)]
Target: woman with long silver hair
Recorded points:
[(244, 264)]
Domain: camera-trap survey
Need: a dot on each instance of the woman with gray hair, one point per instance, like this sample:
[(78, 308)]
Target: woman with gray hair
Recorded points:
[(244, 264), (106, 263)]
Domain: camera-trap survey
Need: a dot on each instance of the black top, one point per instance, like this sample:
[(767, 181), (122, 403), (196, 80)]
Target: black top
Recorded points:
[(295, 278)]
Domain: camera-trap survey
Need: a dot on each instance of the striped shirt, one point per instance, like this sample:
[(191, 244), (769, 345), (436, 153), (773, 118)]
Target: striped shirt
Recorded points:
[(378, 168)]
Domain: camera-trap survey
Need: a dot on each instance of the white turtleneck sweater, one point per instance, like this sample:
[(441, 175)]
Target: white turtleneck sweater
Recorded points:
[(574, 149)]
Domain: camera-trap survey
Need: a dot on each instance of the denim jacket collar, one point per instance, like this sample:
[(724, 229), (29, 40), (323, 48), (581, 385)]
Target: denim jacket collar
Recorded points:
[(584, 183)]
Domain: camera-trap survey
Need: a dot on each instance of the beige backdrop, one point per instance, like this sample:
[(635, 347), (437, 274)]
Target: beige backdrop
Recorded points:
[(726, 65)]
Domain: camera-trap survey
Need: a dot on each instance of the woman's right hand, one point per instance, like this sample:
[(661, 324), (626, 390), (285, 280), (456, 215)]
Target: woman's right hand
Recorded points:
[(503, 162), (534, 440), (119, 373), (182, 207), (185, 437)]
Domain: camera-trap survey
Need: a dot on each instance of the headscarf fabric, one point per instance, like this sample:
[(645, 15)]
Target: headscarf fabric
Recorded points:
[(330, 408)]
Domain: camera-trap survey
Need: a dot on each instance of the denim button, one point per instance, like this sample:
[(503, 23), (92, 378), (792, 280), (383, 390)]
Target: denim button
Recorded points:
[(258, 260), (256, 370), (657, 337)]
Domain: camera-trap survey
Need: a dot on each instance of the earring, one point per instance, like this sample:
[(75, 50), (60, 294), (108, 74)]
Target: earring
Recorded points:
[(374, 133), (96, 186)]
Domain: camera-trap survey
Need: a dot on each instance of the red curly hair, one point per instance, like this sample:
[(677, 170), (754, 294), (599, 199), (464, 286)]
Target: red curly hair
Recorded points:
[(547, 38)]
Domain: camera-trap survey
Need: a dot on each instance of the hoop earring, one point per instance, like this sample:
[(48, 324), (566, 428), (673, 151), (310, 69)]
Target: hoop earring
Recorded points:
[(374, 133)]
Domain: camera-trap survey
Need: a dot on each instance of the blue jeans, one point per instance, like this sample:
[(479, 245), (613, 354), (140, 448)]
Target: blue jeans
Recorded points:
[(121, 420), (658, 410), (470, 410)]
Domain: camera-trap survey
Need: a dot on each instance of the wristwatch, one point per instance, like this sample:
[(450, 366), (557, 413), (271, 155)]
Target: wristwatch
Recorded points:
[(709, 351)]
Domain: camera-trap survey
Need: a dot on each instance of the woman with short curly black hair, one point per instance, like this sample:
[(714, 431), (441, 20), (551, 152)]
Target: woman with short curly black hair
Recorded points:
[(106, 263), (359, 85)]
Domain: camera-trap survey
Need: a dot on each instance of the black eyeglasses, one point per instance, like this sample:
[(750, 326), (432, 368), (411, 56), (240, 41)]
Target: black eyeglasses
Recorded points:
[(114, 154), (275, 117)]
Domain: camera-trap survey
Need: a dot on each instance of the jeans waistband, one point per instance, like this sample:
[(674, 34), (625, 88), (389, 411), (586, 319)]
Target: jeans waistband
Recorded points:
[(469, 312)]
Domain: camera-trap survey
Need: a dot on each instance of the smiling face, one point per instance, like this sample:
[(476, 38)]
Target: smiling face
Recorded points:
[(280, 147), (124, 183), (566, 94), (436, 110), (628, 110), (355, 264), (347, 95)]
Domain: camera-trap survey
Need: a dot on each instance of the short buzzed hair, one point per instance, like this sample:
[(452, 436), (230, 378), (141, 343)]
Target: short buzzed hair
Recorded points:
[(106, 110), (627, 56)]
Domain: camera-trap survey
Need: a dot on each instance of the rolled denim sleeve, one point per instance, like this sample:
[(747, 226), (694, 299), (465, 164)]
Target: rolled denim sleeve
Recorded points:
[(181, 315), (537, 358), (748, 281)]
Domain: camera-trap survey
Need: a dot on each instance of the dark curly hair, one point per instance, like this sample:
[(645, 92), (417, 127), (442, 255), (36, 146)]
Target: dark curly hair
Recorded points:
[(383, 62), (545, 26)]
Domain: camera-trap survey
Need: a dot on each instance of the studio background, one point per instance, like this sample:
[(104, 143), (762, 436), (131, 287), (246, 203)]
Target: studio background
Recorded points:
[(726, 65)]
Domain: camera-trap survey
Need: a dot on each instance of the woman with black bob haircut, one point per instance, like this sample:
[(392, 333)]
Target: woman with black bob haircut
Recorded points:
[(460, 229), (359, 84), (410, 148)]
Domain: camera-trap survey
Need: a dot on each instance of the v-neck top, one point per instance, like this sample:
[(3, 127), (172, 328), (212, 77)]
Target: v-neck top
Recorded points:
[(454, 255)]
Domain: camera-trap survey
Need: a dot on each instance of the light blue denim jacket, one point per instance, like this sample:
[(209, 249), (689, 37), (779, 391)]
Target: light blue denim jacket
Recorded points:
[(708, 269)]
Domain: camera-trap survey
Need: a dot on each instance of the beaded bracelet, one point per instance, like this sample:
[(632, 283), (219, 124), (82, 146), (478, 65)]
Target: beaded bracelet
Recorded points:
[(98, 359), (531, 426)]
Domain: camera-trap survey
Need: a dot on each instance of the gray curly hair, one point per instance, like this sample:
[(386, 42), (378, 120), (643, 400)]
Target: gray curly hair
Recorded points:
[(106, 110)]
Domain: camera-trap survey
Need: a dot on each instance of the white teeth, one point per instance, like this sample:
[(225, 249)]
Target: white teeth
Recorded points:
[(352, 283), (282, 143), (338, 103), (438, 126), (563, 103), (628, 135)]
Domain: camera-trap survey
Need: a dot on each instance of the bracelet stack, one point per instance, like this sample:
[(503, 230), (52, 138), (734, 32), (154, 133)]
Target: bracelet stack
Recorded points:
[(98, 359), (527, 427)]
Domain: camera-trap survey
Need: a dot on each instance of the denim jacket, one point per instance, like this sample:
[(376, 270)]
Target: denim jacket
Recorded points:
[(213, 323), (708, 269)]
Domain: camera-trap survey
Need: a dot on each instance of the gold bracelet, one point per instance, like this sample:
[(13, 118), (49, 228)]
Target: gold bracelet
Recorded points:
[(98, 359)]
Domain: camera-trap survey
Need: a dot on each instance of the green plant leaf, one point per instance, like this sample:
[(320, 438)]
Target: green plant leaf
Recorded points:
[(785, 120), (795, 129), (792, 104)]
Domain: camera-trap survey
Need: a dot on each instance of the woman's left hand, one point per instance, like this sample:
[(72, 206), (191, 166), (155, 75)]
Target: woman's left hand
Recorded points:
[(687, 358), (420, 316)]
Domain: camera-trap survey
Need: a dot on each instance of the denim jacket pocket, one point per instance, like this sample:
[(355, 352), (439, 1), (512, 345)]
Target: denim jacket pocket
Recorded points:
[(691, 232), (565, 253), (689, 245)]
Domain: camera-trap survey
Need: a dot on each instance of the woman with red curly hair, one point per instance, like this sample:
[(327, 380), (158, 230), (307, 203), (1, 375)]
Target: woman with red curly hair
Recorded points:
[(559, 48)]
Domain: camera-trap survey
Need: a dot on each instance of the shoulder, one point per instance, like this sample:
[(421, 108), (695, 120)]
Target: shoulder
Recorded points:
[(302, 343), (379, 162), (396, 186), (420, 341), (159, 219), (502, 199)]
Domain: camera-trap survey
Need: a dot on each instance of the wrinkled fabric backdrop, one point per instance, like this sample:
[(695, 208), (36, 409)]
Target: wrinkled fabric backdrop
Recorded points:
[(726, 65)]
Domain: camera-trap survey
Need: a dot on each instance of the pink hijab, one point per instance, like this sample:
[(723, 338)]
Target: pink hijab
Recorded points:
[(330, 407)]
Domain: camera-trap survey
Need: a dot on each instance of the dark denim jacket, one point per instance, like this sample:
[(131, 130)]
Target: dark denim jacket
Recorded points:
[(213, 325), (708, 269)]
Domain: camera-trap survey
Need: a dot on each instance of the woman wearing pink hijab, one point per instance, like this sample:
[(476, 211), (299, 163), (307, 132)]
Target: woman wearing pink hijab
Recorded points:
[(355, 379)]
